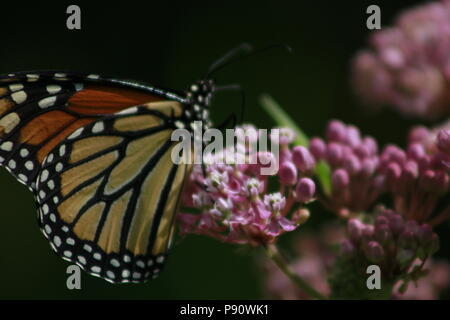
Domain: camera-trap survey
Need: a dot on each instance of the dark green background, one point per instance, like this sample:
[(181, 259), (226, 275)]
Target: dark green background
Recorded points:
[(172, 45)]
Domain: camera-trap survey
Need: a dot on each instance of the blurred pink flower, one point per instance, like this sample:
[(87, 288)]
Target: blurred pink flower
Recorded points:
[(407, 66)]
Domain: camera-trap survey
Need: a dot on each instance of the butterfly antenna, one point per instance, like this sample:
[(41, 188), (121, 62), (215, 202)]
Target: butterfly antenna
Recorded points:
[(235, 87), (228, 58), (234, 55)]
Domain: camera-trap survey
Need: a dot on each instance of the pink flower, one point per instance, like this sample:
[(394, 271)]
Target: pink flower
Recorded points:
[(415, 178), (406, 66), (232, 201)]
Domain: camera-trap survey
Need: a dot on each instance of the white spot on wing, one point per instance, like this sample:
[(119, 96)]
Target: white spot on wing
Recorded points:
[(12, 164), (24, 153), (76, 133), (57, 241), (6, 146), (32, 77), (59, 167), (44, 175), (51, 184), (53, 88), (62, 150), (128, 111), (19, 97), (81, 259), (98, 127), (15, 87), (9, 122), (29, 165), (47, 102)]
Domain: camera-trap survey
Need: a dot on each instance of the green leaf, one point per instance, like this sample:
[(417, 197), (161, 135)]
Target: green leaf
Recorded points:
[(323, 173), (282, 119)]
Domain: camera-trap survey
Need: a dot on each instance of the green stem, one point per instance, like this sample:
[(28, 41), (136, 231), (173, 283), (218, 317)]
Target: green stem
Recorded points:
[(283, 119), (274, 254)]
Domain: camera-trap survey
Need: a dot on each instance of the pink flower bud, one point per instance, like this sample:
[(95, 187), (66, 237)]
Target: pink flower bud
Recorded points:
[(285, 155), (286, 136), (340, 179), (288, 173), (368, 167), (305, 190), (355, 229), (416, 151), (336, 131), (374, 252), (443, 141), (334, 154), (381, 220), (395, 154), (393, 173), (410, 171), (353, 138), (396, 223), (300, 216), (303, 159), (418, 134), (352, 164), (371, 145), (317, 148), (383, 234), (368, 232)]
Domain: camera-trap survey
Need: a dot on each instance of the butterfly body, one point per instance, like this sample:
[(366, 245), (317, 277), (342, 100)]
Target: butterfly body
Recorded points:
[(96, 152)]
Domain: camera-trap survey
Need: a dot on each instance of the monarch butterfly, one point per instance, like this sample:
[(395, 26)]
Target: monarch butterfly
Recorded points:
[(96, 153)]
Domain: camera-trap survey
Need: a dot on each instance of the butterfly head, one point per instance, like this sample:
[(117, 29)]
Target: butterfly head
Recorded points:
[(199, 97)]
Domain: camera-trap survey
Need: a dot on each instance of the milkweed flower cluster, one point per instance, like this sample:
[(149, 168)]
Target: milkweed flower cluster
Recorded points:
[(389, 241), (235, 203), (315, 258), (416, 178), (353, 160), (407, 65), (399, 247)]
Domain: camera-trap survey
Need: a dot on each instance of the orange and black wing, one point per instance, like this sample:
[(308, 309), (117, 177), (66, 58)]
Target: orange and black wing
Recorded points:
[(40, 109), (109, 192)]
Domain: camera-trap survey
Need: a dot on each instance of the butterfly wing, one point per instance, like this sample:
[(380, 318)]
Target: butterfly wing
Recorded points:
[(39, 109), (108, 193)]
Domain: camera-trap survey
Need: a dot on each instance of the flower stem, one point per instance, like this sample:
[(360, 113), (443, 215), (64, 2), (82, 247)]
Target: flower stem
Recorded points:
[(274, 254)]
